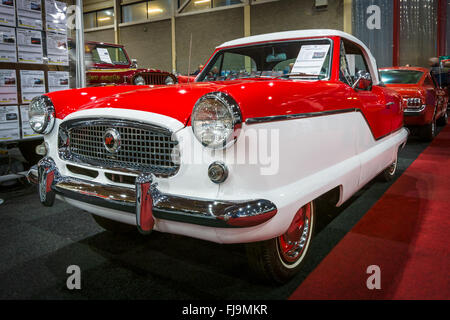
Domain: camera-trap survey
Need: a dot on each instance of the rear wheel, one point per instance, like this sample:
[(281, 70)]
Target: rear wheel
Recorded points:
[(428, 132), (113, 226), (389, 173), (278, 260)]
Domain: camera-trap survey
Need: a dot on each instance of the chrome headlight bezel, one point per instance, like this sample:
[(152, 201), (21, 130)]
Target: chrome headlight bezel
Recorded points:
[(139, 80), (233, 111), (47, 113), (169, 80)]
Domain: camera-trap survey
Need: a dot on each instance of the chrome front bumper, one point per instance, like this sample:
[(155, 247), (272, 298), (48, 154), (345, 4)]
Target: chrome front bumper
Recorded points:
[(147, 202)]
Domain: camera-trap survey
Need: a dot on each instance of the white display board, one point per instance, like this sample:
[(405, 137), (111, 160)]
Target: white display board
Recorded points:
[(9, 123), (32, 84), (57, 52), (29, 46), (8, 86), (7, 13), (7, 44), (310, 59), (56, 16), (58, 80), (27, 132), (29, 14)]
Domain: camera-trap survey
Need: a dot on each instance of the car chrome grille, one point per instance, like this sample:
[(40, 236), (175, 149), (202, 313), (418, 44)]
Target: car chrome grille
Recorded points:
[(143, 148)]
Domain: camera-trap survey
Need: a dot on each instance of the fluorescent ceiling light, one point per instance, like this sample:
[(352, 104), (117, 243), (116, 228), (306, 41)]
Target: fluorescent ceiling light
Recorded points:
[(155, 10), (201, 1), (104, 19)]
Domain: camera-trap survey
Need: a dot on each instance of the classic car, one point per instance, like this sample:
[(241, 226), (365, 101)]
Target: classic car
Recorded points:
[(425, 102), (239, 156), (109, 64)]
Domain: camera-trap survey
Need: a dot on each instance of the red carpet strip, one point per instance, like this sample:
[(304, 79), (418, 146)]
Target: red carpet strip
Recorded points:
[(406, 233)]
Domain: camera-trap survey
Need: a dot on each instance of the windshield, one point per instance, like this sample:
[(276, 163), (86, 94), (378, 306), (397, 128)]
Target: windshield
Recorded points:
[(400, 76), (305, 59), (103, 54)]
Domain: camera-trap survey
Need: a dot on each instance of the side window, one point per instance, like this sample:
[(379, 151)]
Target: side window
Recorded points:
[(232, 62), (352, 60), (231, 65), (344, 72)]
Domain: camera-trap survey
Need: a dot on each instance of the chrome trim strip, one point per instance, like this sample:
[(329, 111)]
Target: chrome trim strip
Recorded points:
[(209, 212), (413, 112), (297, 116)]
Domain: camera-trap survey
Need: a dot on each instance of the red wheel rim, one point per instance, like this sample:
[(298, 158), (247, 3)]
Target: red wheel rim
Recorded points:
[(293, 243)]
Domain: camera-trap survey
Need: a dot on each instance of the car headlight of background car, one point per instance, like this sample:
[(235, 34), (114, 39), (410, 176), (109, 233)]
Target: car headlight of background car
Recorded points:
[(41, 114), (216, 120), (139, 80), (169, 80)]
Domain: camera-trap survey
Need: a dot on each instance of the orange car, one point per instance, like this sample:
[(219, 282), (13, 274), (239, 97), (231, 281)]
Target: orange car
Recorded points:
[(425, 103)]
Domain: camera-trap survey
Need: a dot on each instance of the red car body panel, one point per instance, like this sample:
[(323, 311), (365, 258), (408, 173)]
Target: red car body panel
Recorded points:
[(260, 97), (434, 98)]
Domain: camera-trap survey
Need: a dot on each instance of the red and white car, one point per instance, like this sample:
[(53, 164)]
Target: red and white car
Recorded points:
[(425, 102), (273, 123)]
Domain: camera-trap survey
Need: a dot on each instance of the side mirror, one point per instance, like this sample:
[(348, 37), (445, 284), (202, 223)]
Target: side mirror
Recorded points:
[(134, 63), (363, 80)]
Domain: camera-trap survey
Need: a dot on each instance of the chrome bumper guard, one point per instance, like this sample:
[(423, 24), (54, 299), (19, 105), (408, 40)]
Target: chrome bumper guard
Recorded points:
[(147, 202)]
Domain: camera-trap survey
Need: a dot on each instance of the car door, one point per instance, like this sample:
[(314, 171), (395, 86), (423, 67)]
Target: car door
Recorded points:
[(377, 111), (439, 94)]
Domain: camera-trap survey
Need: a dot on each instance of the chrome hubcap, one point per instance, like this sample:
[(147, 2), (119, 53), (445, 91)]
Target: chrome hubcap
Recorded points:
[(292, 244), (392, 168)]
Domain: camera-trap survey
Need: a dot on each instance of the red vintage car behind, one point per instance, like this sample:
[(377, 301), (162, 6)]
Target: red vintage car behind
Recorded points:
[(110, 64), (425, 102)]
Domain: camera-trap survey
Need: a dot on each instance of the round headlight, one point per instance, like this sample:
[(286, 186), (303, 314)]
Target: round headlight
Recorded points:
[(41, 114), (216, 120), (139, 80), (169, 80)]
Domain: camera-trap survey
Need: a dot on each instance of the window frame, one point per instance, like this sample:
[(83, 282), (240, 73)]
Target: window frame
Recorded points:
[(202, 75)]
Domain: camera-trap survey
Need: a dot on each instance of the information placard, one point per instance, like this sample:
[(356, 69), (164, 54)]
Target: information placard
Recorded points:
[(310, 59), (32, 84), (9, 123), (29, 14), (56, 16), (8, 86), (29, 46), (8, 44), (57, 52), (7, 13)]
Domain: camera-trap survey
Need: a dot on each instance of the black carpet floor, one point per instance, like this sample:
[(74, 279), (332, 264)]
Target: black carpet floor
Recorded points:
[(37, 245)]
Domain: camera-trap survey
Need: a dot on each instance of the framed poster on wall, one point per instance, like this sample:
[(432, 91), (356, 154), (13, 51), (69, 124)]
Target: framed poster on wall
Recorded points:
[(8, 44), (29, 46), (32, 84), (58, 80), (29, 14), (27, 132), (55, 16), (7, 13), (8, 86), (9, 123), (57, 52)]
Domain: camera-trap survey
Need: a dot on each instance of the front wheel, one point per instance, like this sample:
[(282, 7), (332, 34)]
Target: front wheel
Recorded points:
[(428, 132), (278, 260)]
